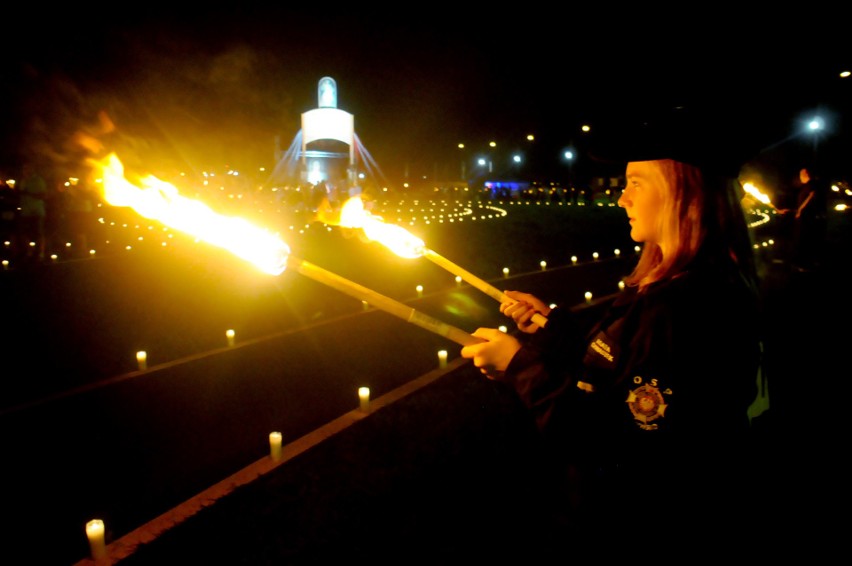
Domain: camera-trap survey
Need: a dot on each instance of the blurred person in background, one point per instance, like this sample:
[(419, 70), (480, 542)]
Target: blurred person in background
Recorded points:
[(33, 193), (80, 219), (810, 220), (8, 212)]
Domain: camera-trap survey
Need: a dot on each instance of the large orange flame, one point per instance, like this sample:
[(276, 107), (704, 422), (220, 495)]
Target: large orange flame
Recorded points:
[(751, 189), (397, 239), (160, 201)]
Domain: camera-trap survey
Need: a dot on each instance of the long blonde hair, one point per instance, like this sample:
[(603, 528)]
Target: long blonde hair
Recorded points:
[(702, 214)]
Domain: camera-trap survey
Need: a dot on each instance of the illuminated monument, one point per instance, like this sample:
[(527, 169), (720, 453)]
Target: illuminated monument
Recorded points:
[(326, 149)]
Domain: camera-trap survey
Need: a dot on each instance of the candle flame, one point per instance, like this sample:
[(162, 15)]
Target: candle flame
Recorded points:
[(160, 200), (397, 239)]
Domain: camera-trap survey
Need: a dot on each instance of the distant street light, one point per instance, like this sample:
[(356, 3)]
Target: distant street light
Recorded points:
[(816, 124), (568, 156)]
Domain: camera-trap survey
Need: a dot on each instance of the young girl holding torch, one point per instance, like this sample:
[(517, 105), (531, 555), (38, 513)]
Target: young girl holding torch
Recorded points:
[(648, 411)]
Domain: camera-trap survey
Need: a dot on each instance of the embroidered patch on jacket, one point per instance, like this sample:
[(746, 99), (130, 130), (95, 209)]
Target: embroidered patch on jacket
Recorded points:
[(602, 352), (647, 405)]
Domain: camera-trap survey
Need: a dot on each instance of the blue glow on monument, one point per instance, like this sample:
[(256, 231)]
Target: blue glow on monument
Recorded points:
[(326, 149)]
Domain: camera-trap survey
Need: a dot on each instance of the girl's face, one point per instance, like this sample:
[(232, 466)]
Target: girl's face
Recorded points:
[(642, 200)]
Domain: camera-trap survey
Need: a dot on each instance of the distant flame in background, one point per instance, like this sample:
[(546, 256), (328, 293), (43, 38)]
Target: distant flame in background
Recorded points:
[(751, 189), (159, 200)]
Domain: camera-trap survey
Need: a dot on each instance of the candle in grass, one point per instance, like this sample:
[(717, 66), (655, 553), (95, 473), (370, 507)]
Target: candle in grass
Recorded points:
[(442, 358), (97, 543), (364, 397), (275, 445), (230, 334), (142, 359)]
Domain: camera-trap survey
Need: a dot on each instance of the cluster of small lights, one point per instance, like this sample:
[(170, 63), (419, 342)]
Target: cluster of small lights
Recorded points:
[(404, 212), (435, 212), (761, 217)]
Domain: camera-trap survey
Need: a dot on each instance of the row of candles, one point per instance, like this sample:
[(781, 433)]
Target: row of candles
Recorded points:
[(96, 531), (142, 355), (230, 334), (475, 281)]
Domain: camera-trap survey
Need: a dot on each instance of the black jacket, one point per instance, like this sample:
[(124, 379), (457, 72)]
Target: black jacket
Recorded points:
[(653, 401)]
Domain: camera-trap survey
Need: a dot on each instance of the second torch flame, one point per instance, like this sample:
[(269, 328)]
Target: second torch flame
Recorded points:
[(405, 244)]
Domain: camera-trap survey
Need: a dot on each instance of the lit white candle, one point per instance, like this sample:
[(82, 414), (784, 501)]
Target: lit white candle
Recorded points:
[(543, 265), (573, 259), (275, 445), (621, 285), (588, 296), (442, 358), (230, 334), (505, 272), (595, 255), (458, 280), (142, 359), (97, 543), (420, 290), (364, 397)]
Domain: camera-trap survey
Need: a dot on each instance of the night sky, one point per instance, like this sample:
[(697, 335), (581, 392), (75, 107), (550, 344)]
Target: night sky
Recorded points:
[(198, 90)]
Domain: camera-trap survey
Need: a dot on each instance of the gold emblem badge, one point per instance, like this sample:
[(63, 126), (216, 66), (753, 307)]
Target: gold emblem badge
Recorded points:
[(647, 405)]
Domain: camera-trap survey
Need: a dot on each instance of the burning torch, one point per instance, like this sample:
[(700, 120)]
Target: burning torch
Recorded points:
[(407, 245)]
